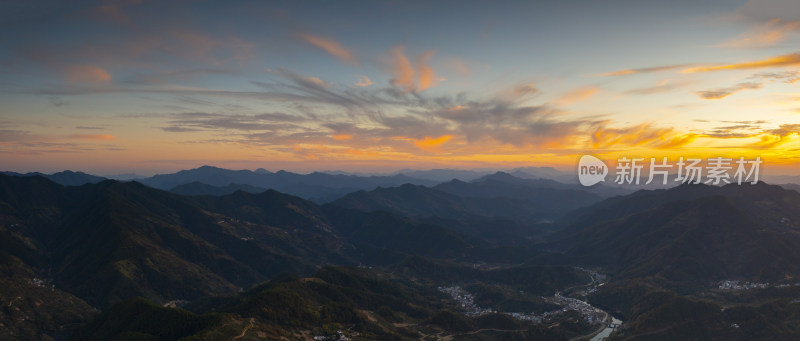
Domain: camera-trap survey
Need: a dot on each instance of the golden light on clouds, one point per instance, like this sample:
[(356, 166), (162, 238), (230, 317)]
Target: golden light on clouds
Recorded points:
[(430, 143), (342, 137), (577, 95), (779, 61)]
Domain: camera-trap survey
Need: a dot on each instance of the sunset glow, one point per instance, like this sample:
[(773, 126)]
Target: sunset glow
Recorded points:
[(150, 86)]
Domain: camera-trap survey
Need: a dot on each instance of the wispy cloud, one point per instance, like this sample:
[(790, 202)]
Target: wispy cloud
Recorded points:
[(402, 69), (605, 137), (331, 47), (779, 61), (625, 72), (417, 77), (773, 32), (93, 137), (678, 141), (86, 73), (363, 81), (665, 85), (577, 95), (725, 92)]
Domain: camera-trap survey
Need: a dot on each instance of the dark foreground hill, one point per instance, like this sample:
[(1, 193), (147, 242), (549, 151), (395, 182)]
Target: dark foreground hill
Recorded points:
[(113, 240), (693, 233), (334, 302), (99, 244), (692, 262), (696, 261)]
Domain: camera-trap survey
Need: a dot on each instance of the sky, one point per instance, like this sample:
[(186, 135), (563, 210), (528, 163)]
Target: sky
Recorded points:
[(137, 86)]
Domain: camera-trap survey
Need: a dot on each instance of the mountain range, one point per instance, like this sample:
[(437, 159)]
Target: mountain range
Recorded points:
[(105, 259)]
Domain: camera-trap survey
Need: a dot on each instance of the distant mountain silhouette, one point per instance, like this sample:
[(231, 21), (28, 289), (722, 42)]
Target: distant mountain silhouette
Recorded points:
[(66, 178), (318, 186), (498, 195), (199, 188)]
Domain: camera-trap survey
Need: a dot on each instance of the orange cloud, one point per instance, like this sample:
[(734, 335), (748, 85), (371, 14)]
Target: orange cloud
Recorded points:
[(407, 76), (577, 95), (318, 81), (402, 69), (87, 73), (630, 136), (678, 141), (431, 144), (427, 78), (774, 32), (93, 137), (363, 81), (331, 47), (779, 61), (342, 137), (777, 137)]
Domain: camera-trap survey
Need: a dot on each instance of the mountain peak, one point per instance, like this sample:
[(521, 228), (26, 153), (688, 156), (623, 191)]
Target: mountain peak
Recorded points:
[(499, 176)]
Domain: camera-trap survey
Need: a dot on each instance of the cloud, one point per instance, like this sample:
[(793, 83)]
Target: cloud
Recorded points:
[(430, 143), (766, 138), (318, 81), (662, 86), (196, 121), (89, 128), (56, 101), (179, 129), (789, 77), (768, 9), (785, 133), (577, 95), (331, 47), (523, 90), (363, 81), (779, 61), (605, 137), (643, 70), (13, 135), (769, 34), (179, 75), (402, 70), (459, 67), (410, 78), (86, 73), (678, 141), (786, 129), (113, 10), (738, 129), (93, 137), (426, 78), (342, 137), (725, 92)]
